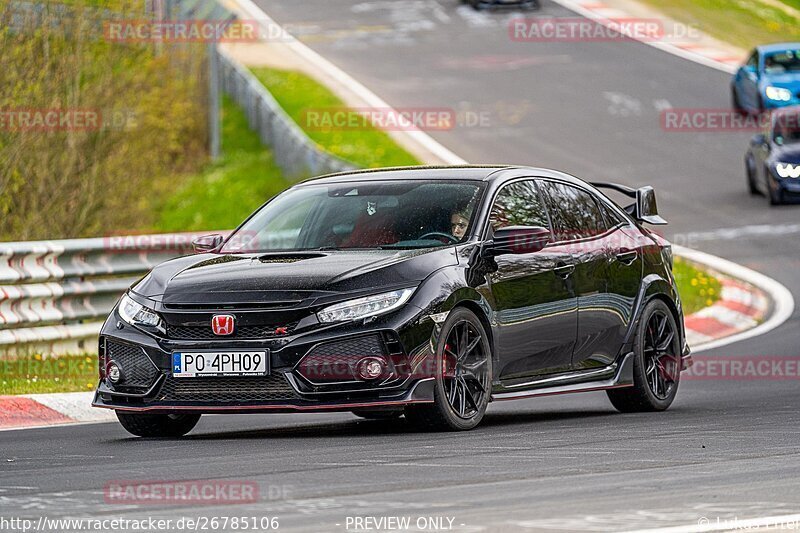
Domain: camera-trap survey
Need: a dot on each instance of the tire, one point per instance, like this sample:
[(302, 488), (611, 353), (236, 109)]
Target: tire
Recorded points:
[(751, 183), (775, 196), (378, 415), (656, 373), (463, 376), (150, 425)]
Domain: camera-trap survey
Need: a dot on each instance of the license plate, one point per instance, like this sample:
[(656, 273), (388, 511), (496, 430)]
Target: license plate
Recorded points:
[(196, 364)]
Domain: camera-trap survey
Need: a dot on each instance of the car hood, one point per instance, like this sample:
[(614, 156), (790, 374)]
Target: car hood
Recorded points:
[(274, 277), (788, 153), (789, 81)]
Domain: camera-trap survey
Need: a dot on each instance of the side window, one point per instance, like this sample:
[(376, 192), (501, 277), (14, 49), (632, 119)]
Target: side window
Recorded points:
[(518, 204), (752, 61), (611, 216), (574, 212)]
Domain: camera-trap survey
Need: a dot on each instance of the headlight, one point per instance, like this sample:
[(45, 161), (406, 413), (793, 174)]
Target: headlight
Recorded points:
[(365, 307), (788, 170), (779, 93), (136, 314)]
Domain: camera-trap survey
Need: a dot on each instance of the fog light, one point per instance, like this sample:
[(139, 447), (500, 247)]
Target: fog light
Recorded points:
[(114, 372), (371, 368)]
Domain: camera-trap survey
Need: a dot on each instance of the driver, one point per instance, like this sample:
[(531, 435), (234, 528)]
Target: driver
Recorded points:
[(459, 221)]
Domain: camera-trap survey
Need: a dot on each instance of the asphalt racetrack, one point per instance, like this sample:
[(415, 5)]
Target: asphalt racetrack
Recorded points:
[(726, 449)]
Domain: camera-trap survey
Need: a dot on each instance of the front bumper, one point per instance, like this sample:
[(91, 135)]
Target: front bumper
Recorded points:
[(777, 104), (789, 187), (403, 339), (421, 391)]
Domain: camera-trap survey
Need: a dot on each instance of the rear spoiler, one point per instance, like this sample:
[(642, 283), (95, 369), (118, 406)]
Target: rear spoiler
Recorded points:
[(644, 209)]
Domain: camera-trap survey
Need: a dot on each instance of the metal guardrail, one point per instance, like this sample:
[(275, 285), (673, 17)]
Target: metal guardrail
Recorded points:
[(294, 151), (55, 293)]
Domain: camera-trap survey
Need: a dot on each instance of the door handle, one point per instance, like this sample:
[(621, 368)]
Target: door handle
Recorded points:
[(564, 271), (627, 257)]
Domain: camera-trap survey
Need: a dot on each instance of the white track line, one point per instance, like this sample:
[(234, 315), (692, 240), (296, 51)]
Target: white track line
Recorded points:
[(370, 98)]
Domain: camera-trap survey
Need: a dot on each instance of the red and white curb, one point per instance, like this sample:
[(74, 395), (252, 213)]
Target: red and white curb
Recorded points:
[(36, 410), (751, 304), (701, 51), (741, 307)]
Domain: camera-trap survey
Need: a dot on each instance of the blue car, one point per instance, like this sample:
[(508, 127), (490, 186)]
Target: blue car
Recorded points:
[(769, 79)]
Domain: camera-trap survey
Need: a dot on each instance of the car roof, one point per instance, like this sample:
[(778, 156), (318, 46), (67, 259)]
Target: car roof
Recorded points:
[(422, 172), (777, 47), (485, 173)]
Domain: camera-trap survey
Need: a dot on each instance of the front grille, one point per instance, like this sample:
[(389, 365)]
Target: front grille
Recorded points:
[(351, 347), (273, 387), (241, 332), (336, 361), (137, 369)]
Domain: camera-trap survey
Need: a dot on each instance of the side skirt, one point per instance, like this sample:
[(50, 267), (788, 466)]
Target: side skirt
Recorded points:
[(622, 377)]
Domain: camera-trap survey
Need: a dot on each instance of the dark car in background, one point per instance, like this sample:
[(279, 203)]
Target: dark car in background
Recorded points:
[(772, 161), (425, 292), (490, 4)]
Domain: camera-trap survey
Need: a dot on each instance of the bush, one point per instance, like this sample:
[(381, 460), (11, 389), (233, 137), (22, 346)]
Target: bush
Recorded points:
[(151, 101)]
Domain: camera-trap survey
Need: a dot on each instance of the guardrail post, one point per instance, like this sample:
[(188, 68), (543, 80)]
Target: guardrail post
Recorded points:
[(214, 136)]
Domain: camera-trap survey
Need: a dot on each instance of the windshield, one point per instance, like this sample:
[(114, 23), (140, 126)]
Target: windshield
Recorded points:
[(780, 62), (787, 128), (376, 214)]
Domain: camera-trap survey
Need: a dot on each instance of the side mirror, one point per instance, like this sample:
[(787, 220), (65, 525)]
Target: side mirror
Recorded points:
[(778, 140), (519, 240), (207, 243), (646, 207)]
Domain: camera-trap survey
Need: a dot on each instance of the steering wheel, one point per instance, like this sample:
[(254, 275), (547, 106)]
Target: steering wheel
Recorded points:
[(440, 234)]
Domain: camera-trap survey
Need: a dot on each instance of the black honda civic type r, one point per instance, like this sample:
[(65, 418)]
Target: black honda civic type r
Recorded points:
[(423, 292)]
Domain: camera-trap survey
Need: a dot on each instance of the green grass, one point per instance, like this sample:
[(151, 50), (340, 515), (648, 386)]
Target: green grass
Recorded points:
[(229, 189), (696, 287), (246, 176), (33, 374), (366, 147), (744, 23)]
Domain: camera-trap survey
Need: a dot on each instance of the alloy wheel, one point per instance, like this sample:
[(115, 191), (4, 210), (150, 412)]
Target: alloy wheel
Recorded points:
[(465, 370), (662, 365)]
